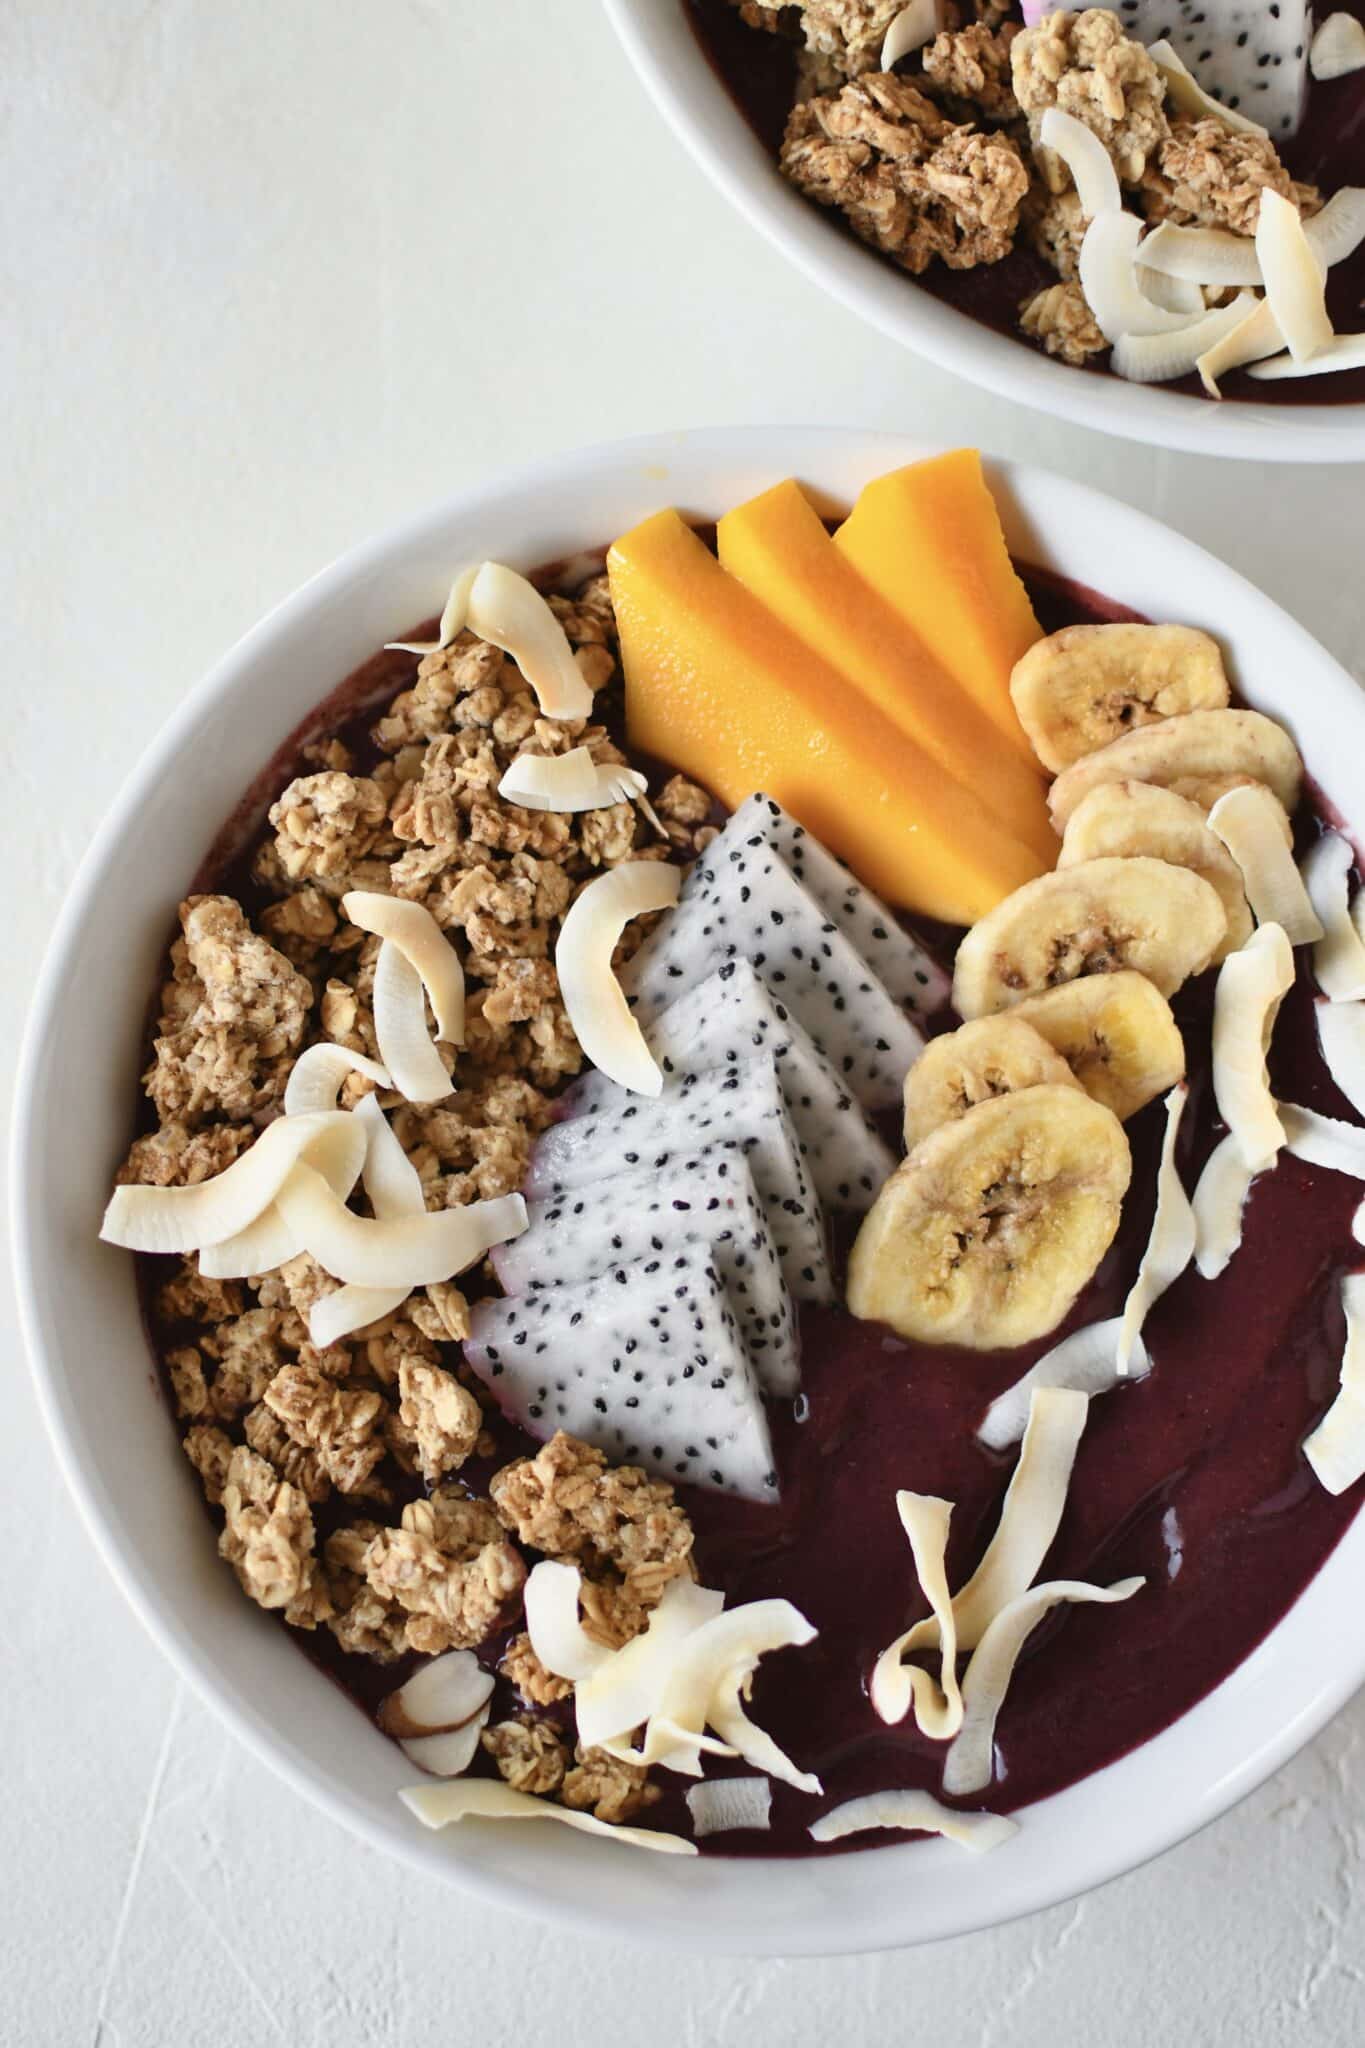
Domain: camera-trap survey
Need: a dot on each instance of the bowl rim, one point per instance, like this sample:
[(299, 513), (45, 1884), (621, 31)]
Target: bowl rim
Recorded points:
[(695, 104), (1282, 1727)]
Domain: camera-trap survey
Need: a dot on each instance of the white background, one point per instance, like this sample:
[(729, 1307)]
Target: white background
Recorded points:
[(274, 273)]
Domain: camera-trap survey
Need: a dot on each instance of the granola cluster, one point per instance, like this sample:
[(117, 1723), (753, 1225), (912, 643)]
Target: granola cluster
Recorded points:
[(942, 158)]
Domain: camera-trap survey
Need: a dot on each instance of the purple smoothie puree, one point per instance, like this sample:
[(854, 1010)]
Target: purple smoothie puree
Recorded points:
[(759, 72), (1193, 1478)]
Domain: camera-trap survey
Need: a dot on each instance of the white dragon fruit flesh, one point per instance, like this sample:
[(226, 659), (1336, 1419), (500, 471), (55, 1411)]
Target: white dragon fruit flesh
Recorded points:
[(740, 1107), (916, 981), (1250, 55), (648, 1366), (733, 1016), (655, 1221), (742, 901)]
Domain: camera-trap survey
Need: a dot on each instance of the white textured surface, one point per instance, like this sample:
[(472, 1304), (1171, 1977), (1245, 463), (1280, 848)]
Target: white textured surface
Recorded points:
[(274, 275)]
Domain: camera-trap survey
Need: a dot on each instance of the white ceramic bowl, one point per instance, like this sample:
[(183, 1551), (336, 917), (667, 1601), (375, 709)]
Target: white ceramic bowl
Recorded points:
[(94, 1375), (692, 99)]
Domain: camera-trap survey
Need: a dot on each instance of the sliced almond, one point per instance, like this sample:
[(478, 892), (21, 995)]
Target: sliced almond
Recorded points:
[(441, 1695)]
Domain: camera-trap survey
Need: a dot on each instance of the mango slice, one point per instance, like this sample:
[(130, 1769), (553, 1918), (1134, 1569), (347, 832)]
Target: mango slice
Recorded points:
[(777, 547), (928, 539), (723, 690)]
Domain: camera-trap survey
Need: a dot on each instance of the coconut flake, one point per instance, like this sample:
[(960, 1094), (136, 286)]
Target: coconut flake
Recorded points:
[(746, 1739), (711, 1665), (1219, 1201), (1256, 335), (1338, 230), (1212, 256), (436, 1806), (626, 1689), (718, 1806), (1252, 983), (510, 612), (918, 1813), (1341, 1034), (896, 1686), (454, 618), (1251, 823), (1293, 281), (1336, 1448), (144, 1219), (570, 782), (403, 1251), (1324, 1140), (1176, 294), (1185, 92), (1108, 254), (451, 1754), (316, 1076), (1157, 358), (269, 1243), (592, 996), (414, 931), (1087, 159), (400, 1027), (1342, 352), (394, 1187), (969, 1763), (1086, 1362), (1338, 47), (1171, 1244), (909, 31), (557, 1635), (1339, 956)]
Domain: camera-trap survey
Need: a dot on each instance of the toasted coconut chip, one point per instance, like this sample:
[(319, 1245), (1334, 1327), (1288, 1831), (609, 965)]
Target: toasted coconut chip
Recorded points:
[(969, 1763), (1176, 294), (918, 1813), (1339, 229), (404, 1251), (400, 1026), (1087, 159), (144, 1219), (1336, 1449), (394, 1187), (1252, 983), (598, 1011), (1324, 1140), (489, 1799), (570, 782), (1219, 1201), (1338, 47), (316, 1076), (1157, 358), (718, 1806), (448, 1755), (1293, 280), (1029, 1515), (1341, 1034), (1212, 256), (896, 1686), (1184, 92), (509, 611), (1343, 352), (443, 1695), (1256, 335), (626, 1689), (910, 30), (453, 618), (711, 1666), (1086, 1362), (1108, 254), (1171, 1244), (1251, 823), (557, 1635), (414, 931), (1339, 956)]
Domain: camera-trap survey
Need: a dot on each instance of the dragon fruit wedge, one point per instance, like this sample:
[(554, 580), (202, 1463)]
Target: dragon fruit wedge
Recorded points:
[(739, 1107), (742, 901), (732, 1016), (648, 1366), (916, 981), (656, 1221), (1249, 56)]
